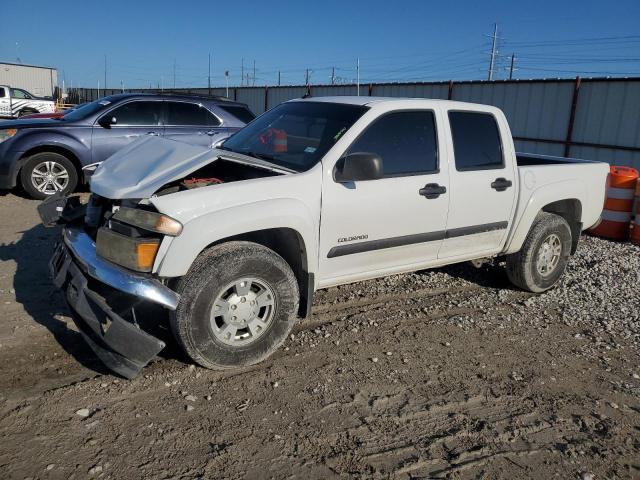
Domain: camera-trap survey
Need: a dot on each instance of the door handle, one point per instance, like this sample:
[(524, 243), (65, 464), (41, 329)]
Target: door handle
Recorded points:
[(501, 184), (211, 133), (432, 190), (153, 134)]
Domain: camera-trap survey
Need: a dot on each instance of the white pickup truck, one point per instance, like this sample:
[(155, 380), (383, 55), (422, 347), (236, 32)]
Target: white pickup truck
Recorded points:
[(16, 102), (232, 242)]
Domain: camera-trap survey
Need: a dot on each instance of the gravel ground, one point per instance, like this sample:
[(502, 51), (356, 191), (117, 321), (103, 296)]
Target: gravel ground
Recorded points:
[(443, 373)]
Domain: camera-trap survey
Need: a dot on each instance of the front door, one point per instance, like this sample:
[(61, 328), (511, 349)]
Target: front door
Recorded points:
[(133, 119), (370, 228), (192, 123), (483, 186)]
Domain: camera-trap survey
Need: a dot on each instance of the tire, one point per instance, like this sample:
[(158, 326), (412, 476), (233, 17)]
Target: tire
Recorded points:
[(38, 166), (214, 277), (526, 268)]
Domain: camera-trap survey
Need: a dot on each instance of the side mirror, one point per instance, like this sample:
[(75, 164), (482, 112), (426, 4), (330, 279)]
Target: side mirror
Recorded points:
[(107, 121), (358, 166)]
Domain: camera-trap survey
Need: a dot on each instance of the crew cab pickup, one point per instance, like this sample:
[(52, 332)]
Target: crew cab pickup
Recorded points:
[(16, 102), (232, 242)]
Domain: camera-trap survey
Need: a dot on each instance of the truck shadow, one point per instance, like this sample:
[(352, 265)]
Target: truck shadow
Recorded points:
[(38, 296), (46, 304), (487, 276)]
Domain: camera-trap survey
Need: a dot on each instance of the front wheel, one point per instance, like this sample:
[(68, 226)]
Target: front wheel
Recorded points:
[(238, 303), (544, 256), (47, 173)]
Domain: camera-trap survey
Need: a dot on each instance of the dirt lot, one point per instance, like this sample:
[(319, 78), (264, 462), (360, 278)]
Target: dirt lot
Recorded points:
[(445, 373)]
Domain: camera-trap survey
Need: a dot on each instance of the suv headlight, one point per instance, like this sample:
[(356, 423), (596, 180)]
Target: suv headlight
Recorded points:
[(7, 133), (152, 221)]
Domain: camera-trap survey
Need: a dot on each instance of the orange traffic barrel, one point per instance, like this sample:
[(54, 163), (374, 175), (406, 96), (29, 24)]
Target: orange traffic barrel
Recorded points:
[(280, 141), (618, 206), (635, 225)]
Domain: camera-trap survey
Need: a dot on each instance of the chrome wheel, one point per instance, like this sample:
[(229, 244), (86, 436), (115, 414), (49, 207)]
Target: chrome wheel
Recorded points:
[(549, 255), (50, 177), (243, 312)]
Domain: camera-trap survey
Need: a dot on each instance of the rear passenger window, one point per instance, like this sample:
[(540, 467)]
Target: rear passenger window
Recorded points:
[(241, 113), (138, 113), (476, 141), (183, 113), (405, 141)]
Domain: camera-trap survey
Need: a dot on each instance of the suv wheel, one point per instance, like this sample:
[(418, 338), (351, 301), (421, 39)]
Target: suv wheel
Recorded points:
[(544, 256), (238, 303), (47, 173)]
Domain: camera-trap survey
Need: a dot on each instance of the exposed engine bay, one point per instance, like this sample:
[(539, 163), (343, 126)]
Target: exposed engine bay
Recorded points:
[(215, 173)]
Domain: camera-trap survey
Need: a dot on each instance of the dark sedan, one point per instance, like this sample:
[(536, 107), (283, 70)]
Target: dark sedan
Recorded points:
[(45, 156)]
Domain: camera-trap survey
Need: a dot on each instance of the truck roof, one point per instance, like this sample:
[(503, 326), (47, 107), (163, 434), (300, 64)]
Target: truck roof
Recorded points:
[(368, 101)]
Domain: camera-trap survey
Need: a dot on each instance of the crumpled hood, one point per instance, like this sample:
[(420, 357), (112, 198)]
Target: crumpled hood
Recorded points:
[(145, 165)]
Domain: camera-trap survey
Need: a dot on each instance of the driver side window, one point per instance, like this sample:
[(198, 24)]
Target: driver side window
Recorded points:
[(19, 93), (405, 141)]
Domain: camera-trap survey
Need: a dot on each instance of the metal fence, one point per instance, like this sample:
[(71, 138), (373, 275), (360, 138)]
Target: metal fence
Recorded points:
[(594, 118)]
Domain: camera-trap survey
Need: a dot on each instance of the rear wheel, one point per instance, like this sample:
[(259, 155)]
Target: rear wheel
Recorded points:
[(238, 303), (47, 173), (25, 112), (544, 256)]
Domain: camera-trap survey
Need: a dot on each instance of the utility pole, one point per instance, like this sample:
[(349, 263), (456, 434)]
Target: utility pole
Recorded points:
[(209, 77), (174, 73), (333, 75), (254, 74), (98, 88), (226, 77), (242, 73), (513, 59), (493, 51), (278, 77), (121, 86), (306, 77), (105, 70), (358, 76)]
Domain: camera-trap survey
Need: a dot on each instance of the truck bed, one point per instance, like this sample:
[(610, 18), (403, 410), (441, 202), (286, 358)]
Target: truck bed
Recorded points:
[(531, 159), (580, 180)]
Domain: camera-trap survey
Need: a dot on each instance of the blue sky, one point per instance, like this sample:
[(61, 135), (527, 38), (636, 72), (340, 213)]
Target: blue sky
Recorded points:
[(395, 40)]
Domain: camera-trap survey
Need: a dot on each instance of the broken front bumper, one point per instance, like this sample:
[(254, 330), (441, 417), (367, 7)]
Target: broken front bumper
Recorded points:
[(88, 282)]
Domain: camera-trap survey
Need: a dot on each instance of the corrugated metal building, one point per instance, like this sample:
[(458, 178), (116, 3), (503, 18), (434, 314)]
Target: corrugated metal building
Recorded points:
[(40, 81), (593, 118)]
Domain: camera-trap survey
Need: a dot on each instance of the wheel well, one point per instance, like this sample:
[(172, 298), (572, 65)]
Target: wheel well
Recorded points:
[(287, 243), (571, 211), (54, 149)]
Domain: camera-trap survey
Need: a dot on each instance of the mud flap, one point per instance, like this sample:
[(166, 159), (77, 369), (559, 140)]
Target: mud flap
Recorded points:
[(122, 346)]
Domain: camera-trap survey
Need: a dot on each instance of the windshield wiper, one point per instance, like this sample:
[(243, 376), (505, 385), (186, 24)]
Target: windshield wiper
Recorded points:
[(262, 159)]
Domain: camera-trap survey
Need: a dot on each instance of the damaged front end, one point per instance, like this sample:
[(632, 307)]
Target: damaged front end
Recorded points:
[(111, 246), (103, 296)]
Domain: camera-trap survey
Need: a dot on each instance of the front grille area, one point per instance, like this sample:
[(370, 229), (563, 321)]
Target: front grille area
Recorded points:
[(96, 207)]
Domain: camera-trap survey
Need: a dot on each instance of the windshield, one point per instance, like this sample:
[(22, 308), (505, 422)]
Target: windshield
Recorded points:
[(295, 135), (87, 109)]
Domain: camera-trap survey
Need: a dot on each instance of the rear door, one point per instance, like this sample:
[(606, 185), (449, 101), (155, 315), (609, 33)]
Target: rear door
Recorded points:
[(369, 228), (482, 185), (133, 119), (192, 123)]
